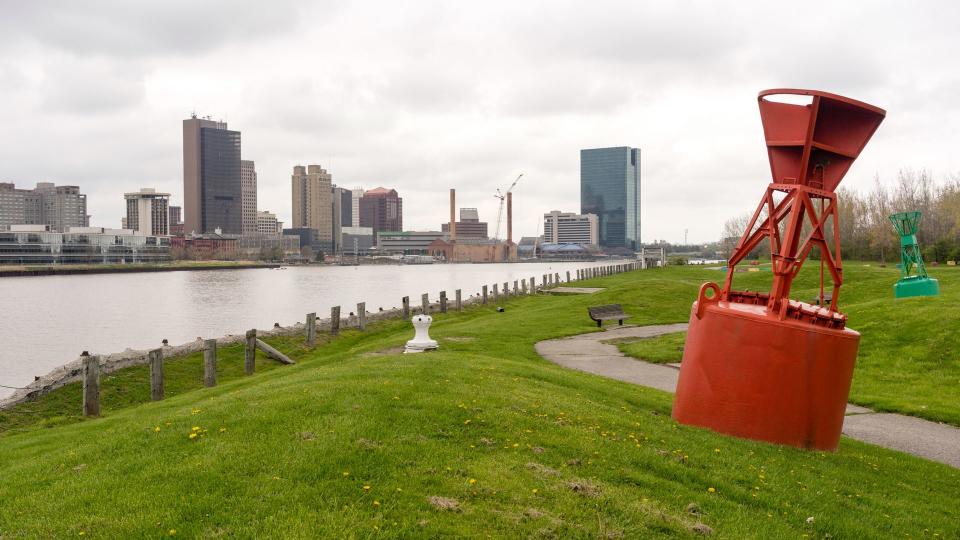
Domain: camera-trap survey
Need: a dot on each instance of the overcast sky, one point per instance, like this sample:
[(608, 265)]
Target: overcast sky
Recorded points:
[(425, 96)]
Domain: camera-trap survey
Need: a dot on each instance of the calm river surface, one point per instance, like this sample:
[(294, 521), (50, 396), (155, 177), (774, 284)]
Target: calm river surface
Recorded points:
[(47, 321)]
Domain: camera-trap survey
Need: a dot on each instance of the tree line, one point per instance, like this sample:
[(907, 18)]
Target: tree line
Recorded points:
[(866, 232)]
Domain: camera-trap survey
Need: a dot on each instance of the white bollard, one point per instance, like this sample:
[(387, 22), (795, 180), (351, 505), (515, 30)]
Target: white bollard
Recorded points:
[(421, 339)]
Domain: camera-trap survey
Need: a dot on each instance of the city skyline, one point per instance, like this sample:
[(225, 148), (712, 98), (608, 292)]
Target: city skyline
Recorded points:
[(470, 100)]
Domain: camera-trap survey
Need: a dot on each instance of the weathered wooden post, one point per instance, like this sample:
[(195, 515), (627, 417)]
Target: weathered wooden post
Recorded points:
[(556, 278), (533, 285), (443, 301), (523, 286), (406, 308), (516, 288), (568, 276), (91, 384), (506, 290), (250, 351), (457, 300), (362, 315), (209, 362), (311, 329), (425, 303), (156, 374), (496, 295), (484, 294), (334, 320), (543, 284)]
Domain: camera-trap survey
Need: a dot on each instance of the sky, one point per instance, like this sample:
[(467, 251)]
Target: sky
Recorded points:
[(426, 96)]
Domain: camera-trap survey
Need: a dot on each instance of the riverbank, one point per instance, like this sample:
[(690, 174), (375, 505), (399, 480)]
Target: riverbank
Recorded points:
[(70, 269), (480, 437)]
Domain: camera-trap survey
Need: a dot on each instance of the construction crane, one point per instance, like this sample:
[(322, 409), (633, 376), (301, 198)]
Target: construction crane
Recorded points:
[(503, 196)]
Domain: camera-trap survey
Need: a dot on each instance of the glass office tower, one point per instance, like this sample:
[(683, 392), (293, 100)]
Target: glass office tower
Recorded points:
[(610, 188)]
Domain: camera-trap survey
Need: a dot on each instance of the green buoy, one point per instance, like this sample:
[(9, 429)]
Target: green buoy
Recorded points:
[(914, 280)]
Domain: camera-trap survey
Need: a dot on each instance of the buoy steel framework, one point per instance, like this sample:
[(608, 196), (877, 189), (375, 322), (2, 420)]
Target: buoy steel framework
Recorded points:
[(760, 365)]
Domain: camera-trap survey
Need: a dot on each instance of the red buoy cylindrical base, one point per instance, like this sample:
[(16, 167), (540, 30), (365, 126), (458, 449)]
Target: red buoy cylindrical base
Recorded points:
[(750, 374)]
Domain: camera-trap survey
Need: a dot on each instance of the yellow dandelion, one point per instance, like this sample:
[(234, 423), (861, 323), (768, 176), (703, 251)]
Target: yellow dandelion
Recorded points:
[(156, 429), (195, 428), (467, 421), (81, 533), (473, 481), (712, 490), (717, 450), (346, 474), (366, 488), (172, 532), (376, 503), (535, 491), (223, 429), (516, 445), (399, 490)]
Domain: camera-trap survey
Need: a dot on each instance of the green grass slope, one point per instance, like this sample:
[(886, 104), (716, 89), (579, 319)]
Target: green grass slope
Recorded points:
[(480, 439)]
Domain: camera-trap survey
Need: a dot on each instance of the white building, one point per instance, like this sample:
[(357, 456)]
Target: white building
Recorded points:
[(569, 228), (355, 193), (148, 212), (248, 197), (268, 225)]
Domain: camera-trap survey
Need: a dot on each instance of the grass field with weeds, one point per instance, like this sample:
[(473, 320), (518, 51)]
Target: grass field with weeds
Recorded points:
[(482, 438)]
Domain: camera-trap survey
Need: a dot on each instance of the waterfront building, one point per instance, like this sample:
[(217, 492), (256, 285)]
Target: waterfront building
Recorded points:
[(406, 242), (248, 197), (212, 185), (312, 190), (382, 210), (148, 212), (204, 247), (357, 240), (610, 189), (258, 246), (59, 207), (38, 244), (569, 228), (267, 224)]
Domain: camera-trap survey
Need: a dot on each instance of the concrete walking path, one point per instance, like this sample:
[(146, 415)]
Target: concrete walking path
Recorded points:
[(591, 353)]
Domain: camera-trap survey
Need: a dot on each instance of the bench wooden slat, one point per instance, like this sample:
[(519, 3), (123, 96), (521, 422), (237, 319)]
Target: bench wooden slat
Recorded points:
[(606, 313)]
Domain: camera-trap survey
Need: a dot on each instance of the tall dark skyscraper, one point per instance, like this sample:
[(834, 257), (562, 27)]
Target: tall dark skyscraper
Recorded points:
[(381, 209), (212, 186), (610, 188)]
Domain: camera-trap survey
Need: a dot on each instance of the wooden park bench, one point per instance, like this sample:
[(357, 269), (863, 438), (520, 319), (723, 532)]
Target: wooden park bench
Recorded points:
[(608, 312)]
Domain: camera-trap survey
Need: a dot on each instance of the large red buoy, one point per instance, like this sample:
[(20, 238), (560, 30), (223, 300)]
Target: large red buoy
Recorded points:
[(760, 365)]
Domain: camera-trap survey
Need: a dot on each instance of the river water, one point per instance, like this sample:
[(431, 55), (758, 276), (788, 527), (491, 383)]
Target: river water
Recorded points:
[(47, 321)]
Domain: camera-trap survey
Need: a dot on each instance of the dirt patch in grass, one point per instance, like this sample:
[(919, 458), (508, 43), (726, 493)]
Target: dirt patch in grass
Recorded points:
[(444, 503)]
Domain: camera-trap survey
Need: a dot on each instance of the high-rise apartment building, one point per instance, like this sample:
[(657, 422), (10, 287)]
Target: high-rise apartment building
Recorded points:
[(148, 212), (312, 188), (212, 185), (268, 225), (355, 194), (248, 196), (176, 216), (610, 189), (47, 204), (382, 210), (569, 228)]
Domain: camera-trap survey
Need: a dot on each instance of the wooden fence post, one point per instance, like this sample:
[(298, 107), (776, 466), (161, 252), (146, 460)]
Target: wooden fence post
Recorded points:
[(523, 286), (311, 329), (250, 352), (425, 303), (484, 294), (516, 288), (568, 276), (496, 295), (556, 278), (533, 285), (156, 374), (406, 308), (334, 320), (362, 315), (458, 300), (443, 301), (209, 362), (91, 384), (506, 289)]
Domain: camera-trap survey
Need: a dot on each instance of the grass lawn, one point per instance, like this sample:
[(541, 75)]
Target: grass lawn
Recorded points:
[(909, 359), (480, 439)]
